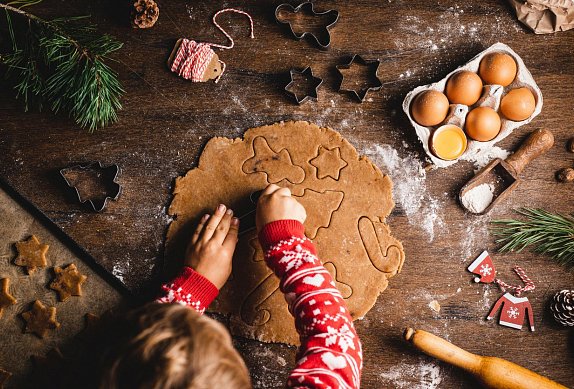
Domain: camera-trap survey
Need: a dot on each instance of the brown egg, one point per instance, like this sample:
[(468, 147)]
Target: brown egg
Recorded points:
[(429, 108), (518, 104), (482, 124), (497, 68), (464, 87)]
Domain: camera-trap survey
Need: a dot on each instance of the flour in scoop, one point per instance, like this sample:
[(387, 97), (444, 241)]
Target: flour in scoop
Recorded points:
[(478, 198)]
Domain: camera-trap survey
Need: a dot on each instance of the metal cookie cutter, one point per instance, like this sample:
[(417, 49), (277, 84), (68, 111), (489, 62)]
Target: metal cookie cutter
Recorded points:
[(247, 219), (374, 83), (307, 74), (323, 39), (95, 194)]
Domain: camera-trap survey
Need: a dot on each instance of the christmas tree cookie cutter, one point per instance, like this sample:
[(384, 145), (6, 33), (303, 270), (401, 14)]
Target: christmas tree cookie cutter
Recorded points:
[(321, 35), (372, 81), (93, 183), (311, 80)]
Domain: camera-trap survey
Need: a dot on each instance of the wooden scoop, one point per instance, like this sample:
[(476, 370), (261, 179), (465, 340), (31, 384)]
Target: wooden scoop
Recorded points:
[(490, 371), (503, 174)]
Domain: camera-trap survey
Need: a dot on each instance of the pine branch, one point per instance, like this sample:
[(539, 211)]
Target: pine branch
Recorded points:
[(547, 232), (62, 62)]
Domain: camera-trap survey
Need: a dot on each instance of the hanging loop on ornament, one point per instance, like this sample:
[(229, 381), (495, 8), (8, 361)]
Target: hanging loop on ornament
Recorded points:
[(518, 290)]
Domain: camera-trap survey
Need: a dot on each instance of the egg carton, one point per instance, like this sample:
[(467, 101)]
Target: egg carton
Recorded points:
[(491, 97)]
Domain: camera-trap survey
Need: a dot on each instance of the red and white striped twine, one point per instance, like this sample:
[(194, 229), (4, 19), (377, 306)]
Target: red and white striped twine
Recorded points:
[(192, 57), (518, 290)]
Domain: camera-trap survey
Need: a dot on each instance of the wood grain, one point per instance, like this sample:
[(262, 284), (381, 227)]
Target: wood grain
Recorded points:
[(166, 121)]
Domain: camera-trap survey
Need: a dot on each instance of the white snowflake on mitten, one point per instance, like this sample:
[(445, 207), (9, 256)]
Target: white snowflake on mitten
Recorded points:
[(485, 270), (513, 312)]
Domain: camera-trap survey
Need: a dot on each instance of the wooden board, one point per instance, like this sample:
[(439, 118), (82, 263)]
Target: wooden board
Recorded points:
[(166, 121)]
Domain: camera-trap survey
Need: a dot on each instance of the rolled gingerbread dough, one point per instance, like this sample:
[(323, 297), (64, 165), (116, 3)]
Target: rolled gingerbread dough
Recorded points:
[(347, 199)]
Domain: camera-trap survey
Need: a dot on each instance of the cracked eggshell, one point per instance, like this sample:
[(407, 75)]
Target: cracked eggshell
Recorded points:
[(491, 98)]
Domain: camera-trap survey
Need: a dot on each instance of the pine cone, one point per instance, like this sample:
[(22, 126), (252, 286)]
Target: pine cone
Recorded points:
[(144, 14), (562, 307)]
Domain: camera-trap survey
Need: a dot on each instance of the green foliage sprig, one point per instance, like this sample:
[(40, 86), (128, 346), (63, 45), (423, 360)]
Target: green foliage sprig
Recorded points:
[(61, 63), (549, 233)]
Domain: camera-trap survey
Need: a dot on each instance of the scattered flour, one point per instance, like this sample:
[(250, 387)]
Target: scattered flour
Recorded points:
[(478, 198), (476, 237), (427, 375), (480, 157), (409, 187), (119, 271)]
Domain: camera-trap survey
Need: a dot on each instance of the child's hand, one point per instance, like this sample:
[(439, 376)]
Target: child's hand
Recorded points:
[(276, 203), (212, 245)]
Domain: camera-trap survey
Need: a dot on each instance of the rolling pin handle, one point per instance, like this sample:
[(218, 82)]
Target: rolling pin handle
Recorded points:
[(537, 143)]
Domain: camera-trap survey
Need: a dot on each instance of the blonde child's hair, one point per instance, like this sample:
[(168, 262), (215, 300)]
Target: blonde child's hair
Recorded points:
[(172, 346)]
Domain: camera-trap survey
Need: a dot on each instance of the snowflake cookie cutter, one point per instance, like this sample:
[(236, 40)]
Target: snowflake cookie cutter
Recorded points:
[(306, 74), (107, 175), (322, 38), (374, 82)]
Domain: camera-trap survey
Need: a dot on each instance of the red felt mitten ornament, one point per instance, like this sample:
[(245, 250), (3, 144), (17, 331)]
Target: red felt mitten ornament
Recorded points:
[(483, 267)]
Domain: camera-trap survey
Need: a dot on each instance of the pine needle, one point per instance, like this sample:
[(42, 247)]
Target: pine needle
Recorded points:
[(549, 233), (62, 62)]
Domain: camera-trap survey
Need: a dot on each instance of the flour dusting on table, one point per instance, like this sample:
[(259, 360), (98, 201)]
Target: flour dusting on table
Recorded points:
[(427, 374), (409, 187)]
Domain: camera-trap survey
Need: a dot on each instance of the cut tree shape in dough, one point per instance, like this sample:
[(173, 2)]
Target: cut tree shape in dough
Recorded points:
[(277, 166), (328, 163), (320, 208), (360, 254)]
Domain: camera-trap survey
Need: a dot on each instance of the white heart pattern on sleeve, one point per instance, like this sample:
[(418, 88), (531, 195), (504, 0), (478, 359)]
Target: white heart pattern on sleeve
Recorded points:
[(333, 362), (317, 280)]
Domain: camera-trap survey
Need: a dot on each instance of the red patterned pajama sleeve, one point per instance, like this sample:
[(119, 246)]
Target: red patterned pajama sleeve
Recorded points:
[(330, 355), (189, 288)]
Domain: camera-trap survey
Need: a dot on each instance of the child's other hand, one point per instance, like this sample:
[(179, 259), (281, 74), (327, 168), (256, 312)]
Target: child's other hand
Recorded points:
[(212, 245), (276, 203)]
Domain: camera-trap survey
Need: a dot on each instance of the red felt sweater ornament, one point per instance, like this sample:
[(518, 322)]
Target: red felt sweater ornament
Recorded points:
[(514, 307)]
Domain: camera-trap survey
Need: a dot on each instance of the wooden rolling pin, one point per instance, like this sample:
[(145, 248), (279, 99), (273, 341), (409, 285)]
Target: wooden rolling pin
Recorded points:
[(491, 371)]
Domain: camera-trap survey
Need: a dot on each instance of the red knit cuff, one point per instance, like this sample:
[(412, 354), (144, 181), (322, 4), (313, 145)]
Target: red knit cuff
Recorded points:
[(197, 285), (279, 230)]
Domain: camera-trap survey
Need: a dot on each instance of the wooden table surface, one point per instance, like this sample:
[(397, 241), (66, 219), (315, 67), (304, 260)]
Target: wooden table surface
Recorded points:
[(166, 121)]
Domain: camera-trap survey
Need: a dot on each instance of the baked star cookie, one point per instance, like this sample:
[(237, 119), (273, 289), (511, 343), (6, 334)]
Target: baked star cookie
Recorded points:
[(40, 319), (6, 299), (68, 281), (31, 254)]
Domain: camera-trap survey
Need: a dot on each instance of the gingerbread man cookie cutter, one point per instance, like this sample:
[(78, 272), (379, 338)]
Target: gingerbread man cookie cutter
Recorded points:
[(306, 9)]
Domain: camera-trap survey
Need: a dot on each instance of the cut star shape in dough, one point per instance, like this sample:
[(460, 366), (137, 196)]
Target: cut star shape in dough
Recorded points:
[(68, 281), (6, 299), (31, 254), (40, 319), (328, 163)]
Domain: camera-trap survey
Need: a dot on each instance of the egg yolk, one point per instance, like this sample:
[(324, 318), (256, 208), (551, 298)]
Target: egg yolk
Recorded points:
[(449, 142)]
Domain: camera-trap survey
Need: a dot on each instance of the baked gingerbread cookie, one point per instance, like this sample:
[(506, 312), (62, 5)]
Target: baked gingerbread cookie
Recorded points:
[(347, 199), (6, 299), (40, 319), (68, 281), (31, 254)]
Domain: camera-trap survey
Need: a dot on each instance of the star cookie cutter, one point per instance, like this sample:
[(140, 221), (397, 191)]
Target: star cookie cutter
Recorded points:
[(323, 40), (375, 82), (107, 176), (307, 74)]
